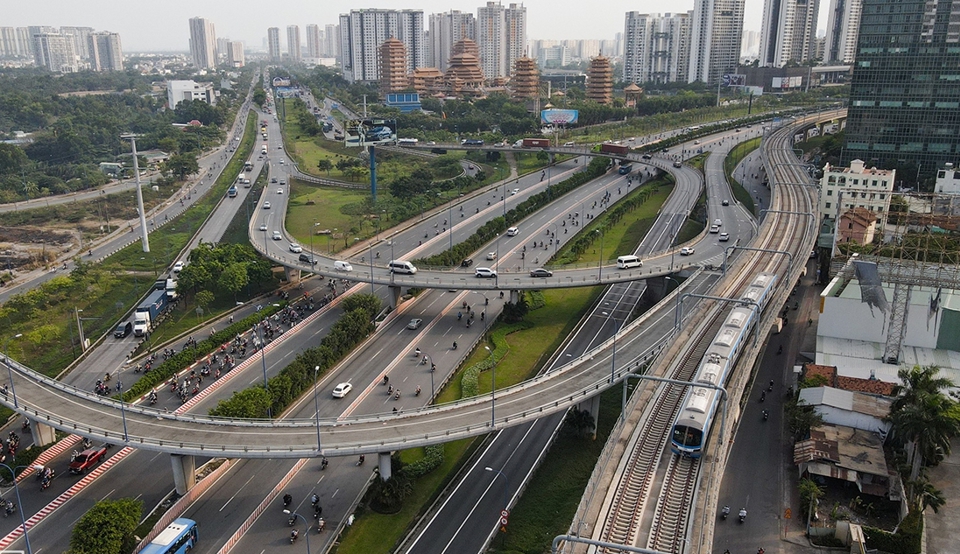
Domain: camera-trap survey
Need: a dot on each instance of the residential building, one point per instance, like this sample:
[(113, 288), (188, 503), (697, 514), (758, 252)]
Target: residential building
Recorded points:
[(904, 103), (849, 456), (178, 91), (363, 31), (8, 42), (788, 32), (858, 226), (314, 42), (846, 188), (105, 52), (293, 43), (80, 40), (222, 46), (501, 37), (715, 33), (554, 56), (848, 408), (55, 52), (843, 24), (600, 80), (655, 47), (331, 41), (948, 180), (25, 41), (235, 55), (750, 45), (445, 30), (273, 44), (203, 43)]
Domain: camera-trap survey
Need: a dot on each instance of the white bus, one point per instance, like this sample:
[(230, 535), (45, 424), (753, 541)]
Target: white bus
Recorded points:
[(407, 142)]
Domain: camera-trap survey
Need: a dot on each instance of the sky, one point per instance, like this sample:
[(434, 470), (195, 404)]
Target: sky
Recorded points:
[(163, 26)]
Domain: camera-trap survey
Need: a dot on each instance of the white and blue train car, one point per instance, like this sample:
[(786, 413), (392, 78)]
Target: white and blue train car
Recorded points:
[(700, 403)]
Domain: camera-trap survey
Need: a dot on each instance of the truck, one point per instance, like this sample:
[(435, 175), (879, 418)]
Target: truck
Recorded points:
[(145, 317), (171, 289), (248, 166), (532, 143), (611, 148), (241, 178), (84, 461)]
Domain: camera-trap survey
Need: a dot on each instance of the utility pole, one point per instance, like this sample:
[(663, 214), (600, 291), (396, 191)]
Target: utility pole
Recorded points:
[(136, 174)]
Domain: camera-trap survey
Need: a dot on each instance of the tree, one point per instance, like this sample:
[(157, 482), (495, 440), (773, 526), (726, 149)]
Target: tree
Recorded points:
[(204, 298), (181, 165), (234, 278), (325, 165), (916, 382), (801, 417), (107, 527), (925, 495), (12, 158), (249, 403), (810, 493), (580, 422)]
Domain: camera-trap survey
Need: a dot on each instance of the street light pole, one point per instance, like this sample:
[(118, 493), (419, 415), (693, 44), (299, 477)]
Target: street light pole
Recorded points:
[(600, 261), (493, 389), (316, 403), (263, 355), (123, 413), (306, 527), (16, 490), (6, 358)]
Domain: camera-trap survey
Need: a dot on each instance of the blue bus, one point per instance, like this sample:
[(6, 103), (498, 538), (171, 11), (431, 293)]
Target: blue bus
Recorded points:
[(178, 538), (626, 168)]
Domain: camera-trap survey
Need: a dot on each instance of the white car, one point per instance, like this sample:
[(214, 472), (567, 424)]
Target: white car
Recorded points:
[(277, 235), (178, 267), (295, 248), (342, 390), (514, 192), (263, 226), (491, 255), (513, 231), (266, 205), (279, 191), (485, 272), (724, 237), (686, 251), (714, 229)]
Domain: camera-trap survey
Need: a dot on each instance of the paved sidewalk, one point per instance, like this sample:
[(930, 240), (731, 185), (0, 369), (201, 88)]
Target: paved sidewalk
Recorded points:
[(942, 530)]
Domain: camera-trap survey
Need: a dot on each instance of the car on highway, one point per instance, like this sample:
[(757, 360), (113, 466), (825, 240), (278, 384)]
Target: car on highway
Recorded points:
[(714, 229), (84, 461), (491, 255), (277, 235), (647, 156), (540, 272), (295, 248), (263, 226), (266, 205), (686, 251), (513, 231), (273, 179), (724, 237), (485, 272), (415, 323), (467, 262), (279, 191), (718, 222), (724, 202), (342, 390), (178, 267), (514, 192), (306, 258)]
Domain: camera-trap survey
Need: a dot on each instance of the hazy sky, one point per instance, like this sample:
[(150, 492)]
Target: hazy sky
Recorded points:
[(163, 25)]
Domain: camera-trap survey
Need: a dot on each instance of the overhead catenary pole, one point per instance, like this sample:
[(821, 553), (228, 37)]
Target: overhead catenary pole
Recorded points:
[(136, 175)]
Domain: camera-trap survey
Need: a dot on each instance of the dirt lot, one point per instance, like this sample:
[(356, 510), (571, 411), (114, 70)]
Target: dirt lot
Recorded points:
[(26, 248)]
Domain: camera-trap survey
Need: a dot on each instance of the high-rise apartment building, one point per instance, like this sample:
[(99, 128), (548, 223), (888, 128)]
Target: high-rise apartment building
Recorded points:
[(314, 41), (501, 36), (8, 42), (905, 93), (203, 43), (843, 22), (331, 41), (788, 32), (55, 52), (25, 41), (223, 45), (80, 40), (656, 47), (715, 31), (363, 31), (273, 44), (235, 55), (293, 42), (446, 29), (105, 52)]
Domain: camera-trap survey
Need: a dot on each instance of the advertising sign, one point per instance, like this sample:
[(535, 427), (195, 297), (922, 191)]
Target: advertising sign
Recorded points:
[(366, 132), (559, 117), (734, 80)]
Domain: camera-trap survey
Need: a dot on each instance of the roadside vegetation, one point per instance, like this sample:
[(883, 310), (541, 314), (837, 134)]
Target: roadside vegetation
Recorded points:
[(731, 162)]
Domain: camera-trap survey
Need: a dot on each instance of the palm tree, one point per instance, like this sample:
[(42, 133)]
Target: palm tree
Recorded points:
[(917, 381), (925, 495)]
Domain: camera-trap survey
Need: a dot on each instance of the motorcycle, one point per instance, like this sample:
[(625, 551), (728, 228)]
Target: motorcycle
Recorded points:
[(291, 520), (743, 514), (8, 508), (320, 525), (454, 345), (725, 512), (766, 415), (287, 500), (360, 462), (763, 395), (323, 464), (418, 392), (396, 395), (293, 536)]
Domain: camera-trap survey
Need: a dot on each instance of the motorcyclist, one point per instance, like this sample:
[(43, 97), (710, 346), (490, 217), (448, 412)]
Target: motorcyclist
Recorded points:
[(725, 512), (287, 500), (418, 390), (360, 463), (314, 500), (294, 534), (743, 514)]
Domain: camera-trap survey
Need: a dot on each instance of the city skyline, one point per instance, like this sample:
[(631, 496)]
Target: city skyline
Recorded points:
[(166, 30)]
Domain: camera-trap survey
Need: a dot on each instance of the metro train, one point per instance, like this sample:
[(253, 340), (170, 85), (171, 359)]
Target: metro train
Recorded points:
[(700, 404)]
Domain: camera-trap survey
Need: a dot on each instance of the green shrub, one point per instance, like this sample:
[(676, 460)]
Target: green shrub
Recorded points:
[(469, 383), (905, 541), (432, 459)]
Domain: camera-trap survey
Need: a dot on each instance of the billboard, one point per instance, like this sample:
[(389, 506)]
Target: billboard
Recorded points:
[(366, 132), (734, 80), (559, 117), (786, 82)]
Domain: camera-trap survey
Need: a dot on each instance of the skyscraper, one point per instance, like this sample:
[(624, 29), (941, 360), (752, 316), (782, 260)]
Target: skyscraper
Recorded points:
[(843, 22), (314, 41), (293, 42), (714, 39), (55, 52), (905, 94), (105, 52), (8, 42), (235, 56), (80, 40), (363, 31), (273, 43), (788, 32), (203, 43), (501, 36), (656, 47), (445, 30), (25, 41), (331, 41)]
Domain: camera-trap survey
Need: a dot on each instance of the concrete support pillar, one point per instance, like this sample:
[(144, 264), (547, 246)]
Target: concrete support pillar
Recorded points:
[(292, 275), (394, 296), (383, 464), (42, 434), (514, 296), (184, 472), (592, 405)]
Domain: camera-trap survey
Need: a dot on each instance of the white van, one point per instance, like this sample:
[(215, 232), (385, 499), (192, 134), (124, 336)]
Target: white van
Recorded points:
[(402, 266), (626, 262), (342, 266), (513, 231)]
